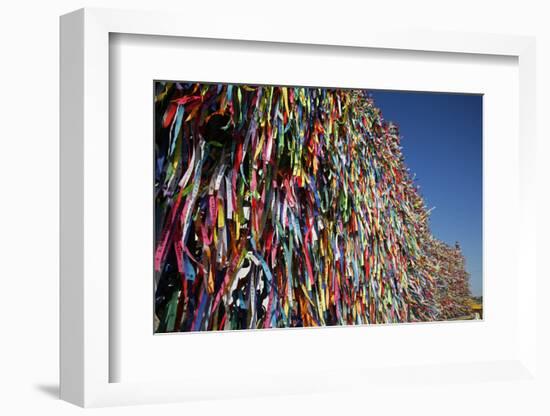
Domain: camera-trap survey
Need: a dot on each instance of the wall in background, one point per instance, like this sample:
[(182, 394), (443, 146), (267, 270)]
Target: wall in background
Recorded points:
[(29, 176)]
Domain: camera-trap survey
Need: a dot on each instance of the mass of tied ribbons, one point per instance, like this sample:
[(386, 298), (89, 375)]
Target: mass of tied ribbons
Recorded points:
[(285, 207), (453, 291)]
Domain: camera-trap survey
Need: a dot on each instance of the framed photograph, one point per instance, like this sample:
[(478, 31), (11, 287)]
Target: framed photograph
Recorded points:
[(320, 212)]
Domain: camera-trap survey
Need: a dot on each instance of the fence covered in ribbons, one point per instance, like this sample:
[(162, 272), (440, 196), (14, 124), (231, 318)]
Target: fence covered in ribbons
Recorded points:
[(453, 290), (288, 207)]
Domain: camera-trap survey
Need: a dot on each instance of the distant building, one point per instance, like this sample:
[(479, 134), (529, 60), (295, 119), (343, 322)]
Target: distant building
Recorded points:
[(476, 308)]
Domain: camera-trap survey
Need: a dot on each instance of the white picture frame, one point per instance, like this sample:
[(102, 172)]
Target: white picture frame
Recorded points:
[(85, 353)]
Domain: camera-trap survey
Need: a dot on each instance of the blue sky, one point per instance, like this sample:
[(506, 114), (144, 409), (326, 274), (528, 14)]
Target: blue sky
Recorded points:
[(442, 144)]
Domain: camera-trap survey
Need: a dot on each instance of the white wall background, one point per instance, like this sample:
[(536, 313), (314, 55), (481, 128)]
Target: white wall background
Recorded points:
[(29, 177)]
